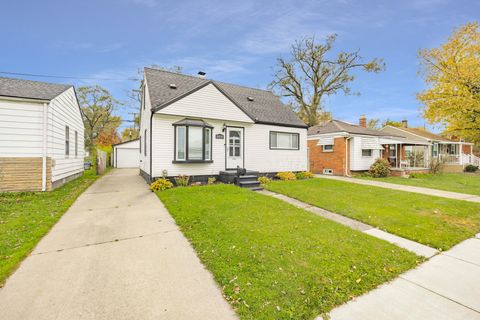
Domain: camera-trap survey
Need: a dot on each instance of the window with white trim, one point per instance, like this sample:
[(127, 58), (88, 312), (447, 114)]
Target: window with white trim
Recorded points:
[(193, 143), (76, 144), (145, 143), (67, 141), (327, 148), (366, 152), (284, 140)]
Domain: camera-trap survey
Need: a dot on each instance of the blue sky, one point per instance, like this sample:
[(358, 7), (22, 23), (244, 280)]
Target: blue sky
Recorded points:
[(233, 41)]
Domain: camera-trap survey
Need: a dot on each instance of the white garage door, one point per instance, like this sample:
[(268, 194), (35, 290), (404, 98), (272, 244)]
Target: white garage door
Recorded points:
[(127, 158)]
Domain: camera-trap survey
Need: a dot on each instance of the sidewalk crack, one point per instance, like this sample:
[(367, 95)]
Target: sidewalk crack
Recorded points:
[(104, 242)]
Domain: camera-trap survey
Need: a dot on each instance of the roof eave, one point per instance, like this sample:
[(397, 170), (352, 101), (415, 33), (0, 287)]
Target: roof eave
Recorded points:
[(16, 98), (292, 125)]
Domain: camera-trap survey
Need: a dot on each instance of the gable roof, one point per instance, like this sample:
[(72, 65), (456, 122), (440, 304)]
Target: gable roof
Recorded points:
[(260, 105), (124, 142), (19, 88), (333, 126)]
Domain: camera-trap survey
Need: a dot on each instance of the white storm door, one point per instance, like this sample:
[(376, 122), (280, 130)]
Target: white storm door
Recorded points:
[(234, 148)]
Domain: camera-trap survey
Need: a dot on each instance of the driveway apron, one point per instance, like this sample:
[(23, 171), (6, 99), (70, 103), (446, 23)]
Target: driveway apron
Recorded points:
[(115, 254)]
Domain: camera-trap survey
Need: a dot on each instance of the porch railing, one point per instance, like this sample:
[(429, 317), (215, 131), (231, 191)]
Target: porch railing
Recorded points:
[(450, 158), (462, 159), (471, 159)]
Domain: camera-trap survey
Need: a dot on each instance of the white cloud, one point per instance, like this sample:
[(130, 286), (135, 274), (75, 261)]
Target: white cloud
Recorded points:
[(280, 30)]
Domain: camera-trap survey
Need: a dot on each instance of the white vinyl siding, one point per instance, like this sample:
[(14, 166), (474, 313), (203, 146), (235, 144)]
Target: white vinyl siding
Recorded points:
[(145, 112), (21, 127), (64, 111), (360, 158), (21, 131), (257, 152), (207, 102)]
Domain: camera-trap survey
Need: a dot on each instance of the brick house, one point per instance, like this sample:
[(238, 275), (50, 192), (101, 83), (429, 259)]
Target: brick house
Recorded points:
[(340, 148)]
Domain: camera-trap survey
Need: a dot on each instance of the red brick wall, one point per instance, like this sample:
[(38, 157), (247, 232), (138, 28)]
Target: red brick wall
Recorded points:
[(320, 160), (466, 149)]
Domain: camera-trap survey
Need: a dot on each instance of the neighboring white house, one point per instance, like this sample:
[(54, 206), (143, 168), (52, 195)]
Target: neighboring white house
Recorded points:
[(126, 154), (199, 127), (41, 135)]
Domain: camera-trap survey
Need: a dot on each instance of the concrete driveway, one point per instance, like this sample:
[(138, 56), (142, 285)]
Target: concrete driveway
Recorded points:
[(116, 254)]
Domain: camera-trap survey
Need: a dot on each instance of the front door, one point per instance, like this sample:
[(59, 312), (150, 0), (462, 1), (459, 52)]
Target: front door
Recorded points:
[(234, 148)]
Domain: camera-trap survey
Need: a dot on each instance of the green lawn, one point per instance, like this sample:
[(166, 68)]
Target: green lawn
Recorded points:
[(275, 261), (456, 182), (25, 217), (434, 221)]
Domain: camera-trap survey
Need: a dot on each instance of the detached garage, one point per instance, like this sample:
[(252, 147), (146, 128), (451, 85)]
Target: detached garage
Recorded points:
[(126, 154)]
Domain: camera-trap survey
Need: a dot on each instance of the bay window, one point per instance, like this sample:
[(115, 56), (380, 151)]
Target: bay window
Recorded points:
[(193, 141), (284, 140)]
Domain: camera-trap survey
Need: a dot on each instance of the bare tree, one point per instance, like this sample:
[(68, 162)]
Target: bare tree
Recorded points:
[(309, 75)]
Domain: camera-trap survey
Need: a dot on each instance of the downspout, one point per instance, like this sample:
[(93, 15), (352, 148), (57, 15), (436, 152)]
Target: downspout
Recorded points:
[(151, 143), (44, 147), (347, 156)]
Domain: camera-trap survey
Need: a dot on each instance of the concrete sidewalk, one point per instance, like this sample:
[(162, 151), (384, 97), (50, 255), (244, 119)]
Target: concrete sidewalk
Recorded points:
[(115, 254), (426, 191), (446, 287)]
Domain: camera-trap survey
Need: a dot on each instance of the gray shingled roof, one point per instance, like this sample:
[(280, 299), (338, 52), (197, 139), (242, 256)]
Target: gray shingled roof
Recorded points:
[(265, 107), (333, 126), (20, 88)]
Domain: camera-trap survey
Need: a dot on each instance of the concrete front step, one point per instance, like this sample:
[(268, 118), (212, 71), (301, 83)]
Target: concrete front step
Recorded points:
[(248, 184)]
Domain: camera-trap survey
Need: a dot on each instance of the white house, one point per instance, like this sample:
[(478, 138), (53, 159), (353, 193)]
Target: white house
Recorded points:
[(199, 127), (126, 154), (41, 135)]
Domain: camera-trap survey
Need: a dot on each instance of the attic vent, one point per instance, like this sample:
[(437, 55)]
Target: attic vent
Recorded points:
[(250, 98), (172, 86)]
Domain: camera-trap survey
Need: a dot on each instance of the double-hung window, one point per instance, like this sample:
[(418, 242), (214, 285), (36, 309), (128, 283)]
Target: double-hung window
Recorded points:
[(193, 141), (284, 140), (76, 144), (67, 141)]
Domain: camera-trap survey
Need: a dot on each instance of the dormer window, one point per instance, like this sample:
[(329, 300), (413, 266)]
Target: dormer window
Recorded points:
[(172, 86)]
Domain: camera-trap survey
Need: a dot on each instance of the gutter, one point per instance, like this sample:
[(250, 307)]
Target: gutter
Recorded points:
[(44, 147)]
